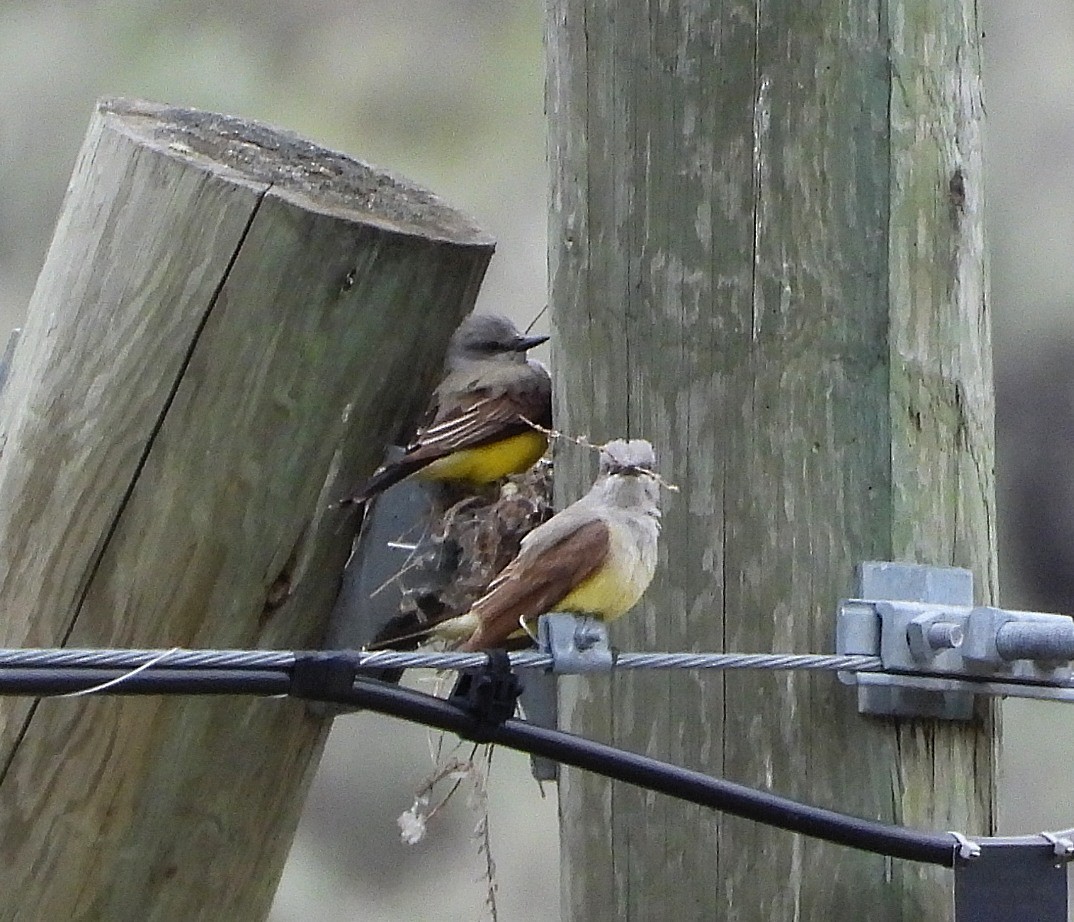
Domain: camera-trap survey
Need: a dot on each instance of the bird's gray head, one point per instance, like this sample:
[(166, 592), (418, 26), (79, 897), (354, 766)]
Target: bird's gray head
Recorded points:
[(628, 456), (628, 476), (489, 337)]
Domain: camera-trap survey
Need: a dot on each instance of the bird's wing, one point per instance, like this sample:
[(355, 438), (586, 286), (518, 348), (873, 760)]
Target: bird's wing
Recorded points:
[(536, 581), (475, 422), (469, 424), (466, 414), (485, 420)]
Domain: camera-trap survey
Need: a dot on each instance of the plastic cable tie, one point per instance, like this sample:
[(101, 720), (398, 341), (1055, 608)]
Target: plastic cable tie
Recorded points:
[(488, 693), (967, 849), (1061, 845), (323, 676)]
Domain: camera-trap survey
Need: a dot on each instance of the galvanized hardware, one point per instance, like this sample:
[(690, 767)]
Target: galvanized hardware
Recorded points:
[(939, 650), (540, 706), (575, 643)]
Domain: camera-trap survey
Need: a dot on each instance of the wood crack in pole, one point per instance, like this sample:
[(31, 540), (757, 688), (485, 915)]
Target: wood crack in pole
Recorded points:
[(230, 325), (92, 569)]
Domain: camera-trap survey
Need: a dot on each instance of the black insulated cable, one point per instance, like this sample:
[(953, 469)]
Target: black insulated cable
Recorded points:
[(662, 777), (330, 677)]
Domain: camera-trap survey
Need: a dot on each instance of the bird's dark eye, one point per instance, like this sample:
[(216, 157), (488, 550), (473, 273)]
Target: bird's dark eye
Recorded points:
[(487, 345)]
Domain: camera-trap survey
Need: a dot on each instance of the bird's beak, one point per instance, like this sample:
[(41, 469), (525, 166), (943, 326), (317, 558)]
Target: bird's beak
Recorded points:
[(528, 342)]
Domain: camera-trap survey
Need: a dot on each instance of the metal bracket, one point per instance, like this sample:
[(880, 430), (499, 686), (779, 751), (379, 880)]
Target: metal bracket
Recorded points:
[(576, 644), (939, 651), (370, 594), (540, 706), (1009, 881)]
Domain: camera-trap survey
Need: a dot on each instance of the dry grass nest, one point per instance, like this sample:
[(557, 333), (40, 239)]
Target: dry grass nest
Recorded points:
[(470, 538)]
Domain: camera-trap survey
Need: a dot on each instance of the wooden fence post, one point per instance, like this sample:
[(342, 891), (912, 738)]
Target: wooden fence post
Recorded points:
[(766, 256), (229, 326)]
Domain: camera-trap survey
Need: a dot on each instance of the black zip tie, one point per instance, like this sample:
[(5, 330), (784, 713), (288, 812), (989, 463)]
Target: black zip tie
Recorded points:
[(326, 677), (488, 694)]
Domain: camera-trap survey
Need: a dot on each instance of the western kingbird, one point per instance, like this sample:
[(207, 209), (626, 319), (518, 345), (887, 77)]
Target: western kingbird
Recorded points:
[(596, 558), (477, 430)]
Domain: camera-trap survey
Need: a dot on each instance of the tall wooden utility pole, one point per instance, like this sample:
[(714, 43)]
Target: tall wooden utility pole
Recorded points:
[(230, 324), (767, 257)]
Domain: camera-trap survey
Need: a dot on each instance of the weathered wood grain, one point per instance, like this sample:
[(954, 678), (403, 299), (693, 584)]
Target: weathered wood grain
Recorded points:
[(767, 257), (230, 325)]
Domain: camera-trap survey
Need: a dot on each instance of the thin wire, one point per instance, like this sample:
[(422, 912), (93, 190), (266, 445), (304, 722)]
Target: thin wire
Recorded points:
[(537, 660), (414, 659), (540, 314), (63, 657), (94, 689)]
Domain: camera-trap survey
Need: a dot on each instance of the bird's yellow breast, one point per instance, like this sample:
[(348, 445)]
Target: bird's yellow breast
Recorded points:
[(487, 463), (616, 587)]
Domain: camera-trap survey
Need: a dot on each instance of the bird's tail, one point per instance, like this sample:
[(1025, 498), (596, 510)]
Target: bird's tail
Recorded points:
[(403, 632), (408, 630), (387, 476)]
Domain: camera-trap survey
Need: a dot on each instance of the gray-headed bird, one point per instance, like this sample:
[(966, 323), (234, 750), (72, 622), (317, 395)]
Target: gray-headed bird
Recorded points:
[(479, 422), (596, 557)]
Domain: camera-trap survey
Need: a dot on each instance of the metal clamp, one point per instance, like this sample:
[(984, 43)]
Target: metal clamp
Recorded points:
[(576, 643), (939, 650)]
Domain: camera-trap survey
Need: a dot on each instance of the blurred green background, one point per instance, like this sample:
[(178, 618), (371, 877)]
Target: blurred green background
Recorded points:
[(451, 95)]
